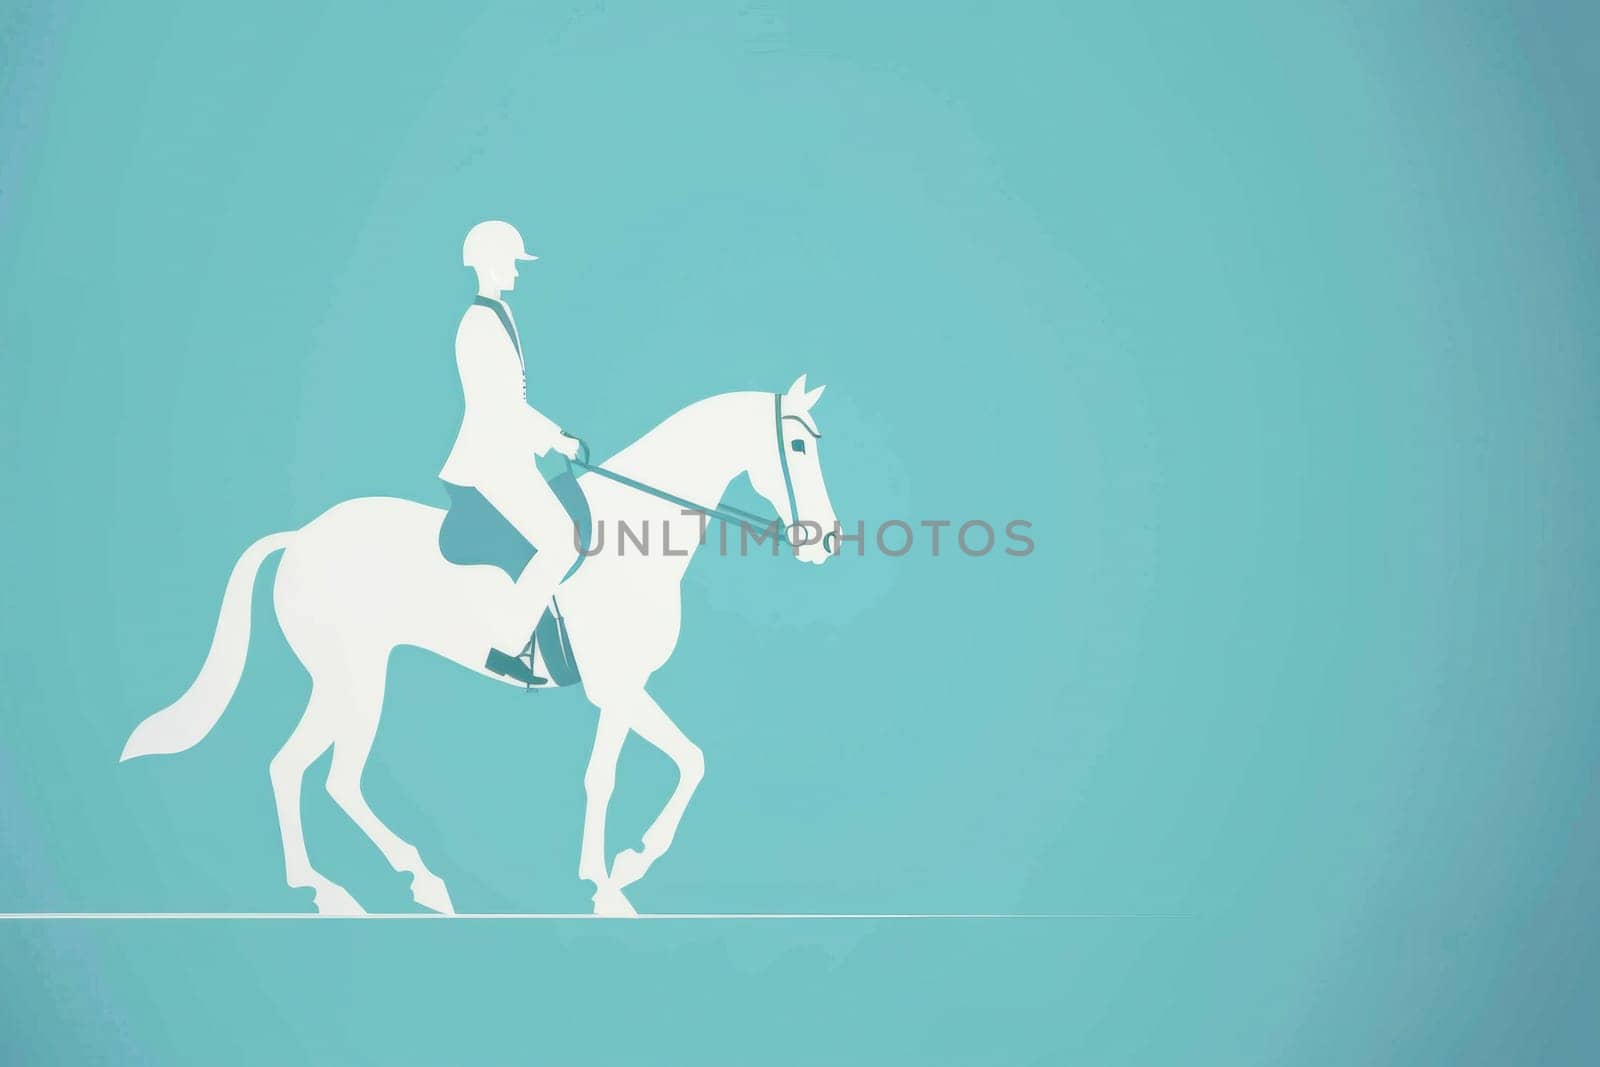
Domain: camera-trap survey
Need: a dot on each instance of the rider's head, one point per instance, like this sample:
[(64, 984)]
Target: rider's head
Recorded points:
[(492, 249)]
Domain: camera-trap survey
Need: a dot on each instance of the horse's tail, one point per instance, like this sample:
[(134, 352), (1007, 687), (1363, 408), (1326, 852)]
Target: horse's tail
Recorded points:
[(186, 721)]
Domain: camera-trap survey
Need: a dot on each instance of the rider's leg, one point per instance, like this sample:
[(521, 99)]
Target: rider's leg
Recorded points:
[(533, 508)]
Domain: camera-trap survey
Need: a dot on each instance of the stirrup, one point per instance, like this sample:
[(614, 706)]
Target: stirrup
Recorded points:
[(518, 668)]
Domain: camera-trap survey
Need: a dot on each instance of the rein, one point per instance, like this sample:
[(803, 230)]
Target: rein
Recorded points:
[(756, 524)]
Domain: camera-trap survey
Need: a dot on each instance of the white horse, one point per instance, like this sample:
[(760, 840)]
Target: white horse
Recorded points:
[(367, 576)]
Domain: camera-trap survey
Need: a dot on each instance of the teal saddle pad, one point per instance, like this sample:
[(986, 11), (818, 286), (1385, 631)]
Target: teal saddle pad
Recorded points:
[(474, 533)]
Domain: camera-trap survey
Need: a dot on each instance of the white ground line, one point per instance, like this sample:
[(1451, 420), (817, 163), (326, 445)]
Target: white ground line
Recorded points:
[(231, 916)]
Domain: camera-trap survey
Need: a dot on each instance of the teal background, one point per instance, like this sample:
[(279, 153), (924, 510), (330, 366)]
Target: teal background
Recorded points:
[(1277, 321)]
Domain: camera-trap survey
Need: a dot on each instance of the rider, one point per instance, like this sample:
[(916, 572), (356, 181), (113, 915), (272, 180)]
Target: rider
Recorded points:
[(500, 435)]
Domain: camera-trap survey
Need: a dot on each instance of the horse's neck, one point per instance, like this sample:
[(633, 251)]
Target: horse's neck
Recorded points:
[(698, 451), (695, 454)]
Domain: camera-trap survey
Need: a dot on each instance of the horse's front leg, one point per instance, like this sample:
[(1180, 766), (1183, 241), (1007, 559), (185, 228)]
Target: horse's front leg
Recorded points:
[(651, 723), (598, 781)]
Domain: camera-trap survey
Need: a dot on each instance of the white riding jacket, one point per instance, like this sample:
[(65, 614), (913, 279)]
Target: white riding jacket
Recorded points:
[(500, 432)]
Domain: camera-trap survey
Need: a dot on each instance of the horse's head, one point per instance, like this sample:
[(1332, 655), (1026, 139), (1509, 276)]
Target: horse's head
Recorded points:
[(791, 475)]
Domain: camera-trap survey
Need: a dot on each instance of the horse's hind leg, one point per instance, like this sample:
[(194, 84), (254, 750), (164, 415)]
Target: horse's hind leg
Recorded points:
[(351, 745), (310, 740)]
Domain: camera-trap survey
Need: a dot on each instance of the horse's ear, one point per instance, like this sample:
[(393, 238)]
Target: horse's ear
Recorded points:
[(799, 399)]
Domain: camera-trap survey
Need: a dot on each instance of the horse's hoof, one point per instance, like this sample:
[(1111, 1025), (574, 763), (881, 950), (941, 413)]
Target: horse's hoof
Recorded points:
[(333, 900), (628, 867), (428, 890), (609, 903)]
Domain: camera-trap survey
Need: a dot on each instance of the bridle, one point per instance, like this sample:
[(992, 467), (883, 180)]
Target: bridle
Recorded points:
[(748, 520)]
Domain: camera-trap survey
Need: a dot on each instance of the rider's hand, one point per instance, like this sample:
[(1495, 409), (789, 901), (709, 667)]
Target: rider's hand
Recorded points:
[(567, 445)]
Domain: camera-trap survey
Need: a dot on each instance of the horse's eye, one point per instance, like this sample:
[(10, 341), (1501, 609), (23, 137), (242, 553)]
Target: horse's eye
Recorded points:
[(798, 446)]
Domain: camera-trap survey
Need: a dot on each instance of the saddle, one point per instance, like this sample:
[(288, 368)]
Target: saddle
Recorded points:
[(475, 534)]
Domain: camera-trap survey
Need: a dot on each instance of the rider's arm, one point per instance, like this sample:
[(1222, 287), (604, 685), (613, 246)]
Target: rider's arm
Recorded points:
[(542, 433), (491, 378)]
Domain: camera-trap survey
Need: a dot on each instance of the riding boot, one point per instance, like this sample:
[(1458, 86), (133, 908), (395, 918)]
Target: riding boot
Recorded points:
[(518, 668), (530, 599)]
